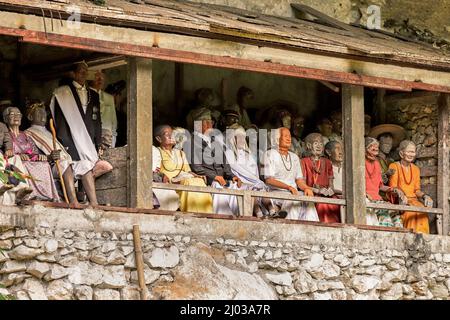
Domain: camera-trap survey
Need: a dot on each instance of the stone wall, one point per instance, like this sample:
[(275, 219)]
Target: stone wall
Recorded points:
[(85, 254)]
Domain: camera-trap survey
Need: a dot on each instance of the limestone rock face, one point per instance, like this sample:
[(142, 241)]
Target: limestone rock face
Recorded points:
[(3, 256), (130, 293), (362, 284), (51, 246), (113, 277), (284, 279), (150, 275), (394, 293), (24, 253), (106, 294), (86, 274), (14, 278), (13, 266), (164, 258), (34, 289), (60, 290), (38, 269), (200, 277), (83, 293)]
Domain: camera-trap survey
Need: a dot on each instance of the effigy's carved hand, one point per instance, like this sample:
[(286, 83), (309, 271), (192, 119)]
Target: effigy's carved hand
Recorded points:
[(427, 201), (238, 181), (9, 153), (330, 192), (24, 157), (220, 180), (403, 200), (293, 190), (390, 172), (165, 179), (54, 155)]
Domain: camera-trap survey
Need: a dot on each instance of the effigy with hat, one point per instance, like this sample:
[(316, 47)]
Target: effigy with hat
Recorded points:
[(398, 132), (201, 114)]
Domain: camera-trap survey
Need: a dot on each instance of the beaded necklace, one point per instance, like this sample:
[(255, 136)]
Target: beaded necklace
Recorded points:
[(290, 161), (410, 174)]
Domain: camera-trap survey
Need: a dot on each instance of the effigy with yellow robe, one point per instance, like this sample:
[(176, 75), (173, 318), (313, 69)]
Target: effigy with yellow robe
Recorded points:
[(175, 166)]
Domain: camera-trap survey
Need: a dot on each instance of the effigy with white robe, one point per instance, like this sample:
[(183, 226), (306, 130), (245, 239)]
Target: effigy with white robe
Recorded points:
[(287, 169)]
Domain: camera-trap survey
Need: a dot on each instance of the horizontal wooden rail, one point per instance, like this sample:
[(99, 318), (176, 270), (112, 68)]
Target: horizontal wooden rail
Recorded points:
[(397, 207), (288, 196), (241, 193)]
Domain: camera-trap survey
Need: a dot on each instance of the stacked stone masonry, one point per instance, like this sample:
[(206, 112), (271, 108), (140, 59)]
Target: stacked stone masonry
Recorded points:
[(197, 258)]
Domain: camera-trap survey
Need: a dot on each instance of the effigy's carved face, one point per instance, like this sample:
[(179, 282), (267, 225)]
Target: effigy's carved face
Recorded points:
[(285, 139), (337, 153), (14, 117), (315, 145), (409, 153), (166, 138), (298, 124), (230, 119), (325, 127), (80, 74), (372, 151), (38, 117), (386, 144), (336, 120)]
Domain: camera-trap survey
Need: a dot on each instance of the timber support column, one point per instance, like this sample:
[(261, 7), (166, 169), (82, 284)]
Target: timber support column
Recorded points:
[(140, 129), (443, 164), (354, 161)]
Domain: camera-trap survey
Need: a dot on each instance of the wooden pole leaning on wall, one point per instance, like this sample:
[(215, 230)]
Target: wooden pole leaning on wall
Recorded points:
[(139, 262), (443, 188)]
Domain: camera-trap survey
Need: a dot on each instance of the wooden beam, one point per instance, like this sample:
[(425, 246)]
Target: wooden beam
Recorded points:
[(140, 138), (354, 160), (133, 42), (266, 66), (444, 162)]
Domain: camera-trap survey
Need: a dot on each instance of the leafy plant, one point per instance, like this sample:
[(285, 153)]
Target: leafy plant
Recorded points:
[(10, 174)]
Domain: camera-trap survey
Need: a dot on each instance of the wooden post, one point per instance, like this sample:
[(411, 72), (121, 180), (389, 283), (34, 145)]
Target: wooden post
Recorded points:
[(248, 204), (140, 137), (443, 163), (139, 262), (354, 161)]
